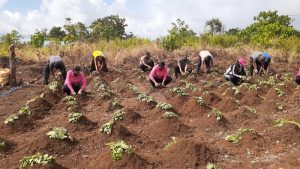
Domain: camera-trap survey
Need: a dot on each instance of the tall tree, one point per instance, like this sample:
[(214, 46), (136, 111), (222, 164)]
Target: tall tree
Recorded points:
[(110, 27), (214, 26), (11, 38), (38, 39), (77, 31), (57, 33)]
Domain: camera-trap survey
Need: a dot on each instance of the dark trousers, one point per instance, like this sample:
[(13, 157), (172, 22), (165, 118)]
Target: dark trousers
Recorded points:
[(49, 67), (207, 62), (145, 68), (267, 63), (177, 71), (76, 87), (167, 81), (104, 67), (258, 65), (235, 80), (297, 80)]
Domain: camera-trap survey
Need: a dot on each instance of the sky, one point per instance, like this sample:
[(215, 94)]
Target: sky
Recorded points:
[(145, 18)]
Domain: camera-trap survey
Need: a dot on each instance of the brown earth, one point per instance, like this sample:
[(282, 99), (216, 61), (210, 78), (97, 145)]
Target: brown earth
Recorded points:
[(199, 136)]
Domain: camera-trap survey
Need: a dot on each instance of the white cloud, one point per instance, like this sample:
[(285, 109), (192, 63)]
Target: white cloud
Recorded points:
[(145, 18), (2, 2)]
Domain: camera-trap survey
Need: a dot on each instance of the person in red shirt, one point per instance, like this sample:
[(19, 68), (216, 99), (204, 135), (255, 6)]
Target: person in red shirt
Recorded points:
[(159, 75), (297, 80), (75, 82)]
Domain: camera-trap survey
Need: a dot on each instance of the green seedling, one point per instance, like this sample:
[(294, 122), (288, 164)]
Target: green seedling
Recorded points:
[(144, 97), (281, 122), (279, 92), (12, 118), (38, 158), (179, 91), (200, 101), (2, 143), (170, 115), (71, 103), (75, 117), (115, 103), (25, 110), (54, 86), (118, 115), (59, 133), (218, 114), (164, 106), (235, 89), (211, 166), (118, 149), (107, 128), (105, 95), (133, 88), (189, 85), (279, 106), (174, 141), (69, 99), (269, 82), (206, 83), (34, 99), (237, 136), (252, 110)]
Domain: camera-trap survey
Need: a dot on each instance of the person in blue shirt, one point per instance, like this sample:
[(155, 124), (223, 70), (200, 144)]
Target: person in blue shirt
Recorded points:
[(260, 62)]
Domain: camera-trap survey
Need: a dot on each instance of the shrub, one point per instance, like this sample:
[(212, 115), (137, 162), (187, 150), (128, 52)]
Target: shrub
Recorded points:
[(164, 106), (75, 117), (144, 97), (59, 133), (118, 115), (107, 128), (38, 158)]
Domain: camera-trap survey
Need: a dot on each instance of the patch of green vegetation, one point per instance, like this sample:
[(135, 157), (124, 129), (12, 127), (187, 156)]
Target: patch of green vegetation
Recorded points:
[(38, 158), (189, 85), (107, 128), (164, 106), (59, 133), (115, 103), (25, 110), (279, 106), (118, 115), (170, 115), (279, 92), (144, 97), (237, 136), (211, 166), (172, 142), (69, 99), (217, 113), (118, 149), (53, 86), (12, 118), (269, 82), (75, 117), (2, 143), (281, 122), (179, 91), (133, 88), (200, 101)]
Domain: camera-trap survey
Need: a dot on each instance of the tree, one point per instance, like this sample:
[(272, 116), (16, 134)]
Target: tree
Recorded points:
[(38, 39), (11, 38), (179, 34), (76, 32), (268, 26), (233, 31), (57, 34), (214, 26), (108, 28)]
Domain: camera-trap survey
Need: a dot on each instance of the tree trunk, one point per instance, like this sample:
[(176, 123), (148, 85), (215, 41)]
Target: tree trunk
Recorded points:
[(12, 64)]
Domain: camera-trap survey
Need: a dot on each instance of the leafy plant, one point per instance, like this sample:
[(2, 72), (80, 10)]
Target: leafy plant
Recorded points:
[(206, 83), (281, 122), (118, 149), (279, 92), (115, 103), (118, 115), (170, 115), (211, 166), (59, 133), (38, 158), (179, 91), (200, 100), (218, 114), (279, 106), (269, 82), (107, 128), (144, 97), (71, 103), (11, 119), (25, 110), (174, 141), (189, 85), (164, 106), (69, 99), (2, 143), (133, 88), (53, 86), (237, 136), (74, 117)]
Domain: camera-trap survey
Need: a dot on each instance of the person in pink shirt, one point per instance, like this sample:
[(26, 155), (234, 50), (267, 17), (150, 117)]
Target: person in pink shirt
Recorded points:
[(75, 82), (298, 77), (159, 75)]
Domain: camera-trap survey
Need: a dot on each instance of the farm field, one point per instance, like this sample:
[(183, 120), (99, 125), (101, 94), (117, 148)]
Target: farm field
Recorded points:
[(188, 124)]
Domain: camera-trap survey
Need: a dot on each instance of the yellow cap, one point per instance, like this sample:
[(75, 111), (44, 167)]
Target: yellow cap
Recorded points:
[(97, 53)]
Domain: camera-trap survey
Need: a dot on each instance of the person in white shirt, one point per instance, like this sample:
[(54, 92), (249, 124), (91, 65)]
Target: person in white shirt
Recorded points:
[(205, 57)]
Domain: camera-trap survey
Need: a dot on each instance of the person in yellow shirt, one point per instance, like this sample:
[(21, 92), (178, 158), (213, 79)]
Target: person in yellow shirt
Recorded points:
[(98, 62)]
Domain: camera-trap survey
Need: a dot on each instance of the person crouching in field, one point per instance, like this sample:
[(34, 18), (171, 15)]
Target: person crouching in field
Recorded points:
[(75, 82), (98, 62), (54, 63), (260, 62), (236, 71), (297, 80), (146, 62), (159, 75), (205, 57), (182, 66)]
